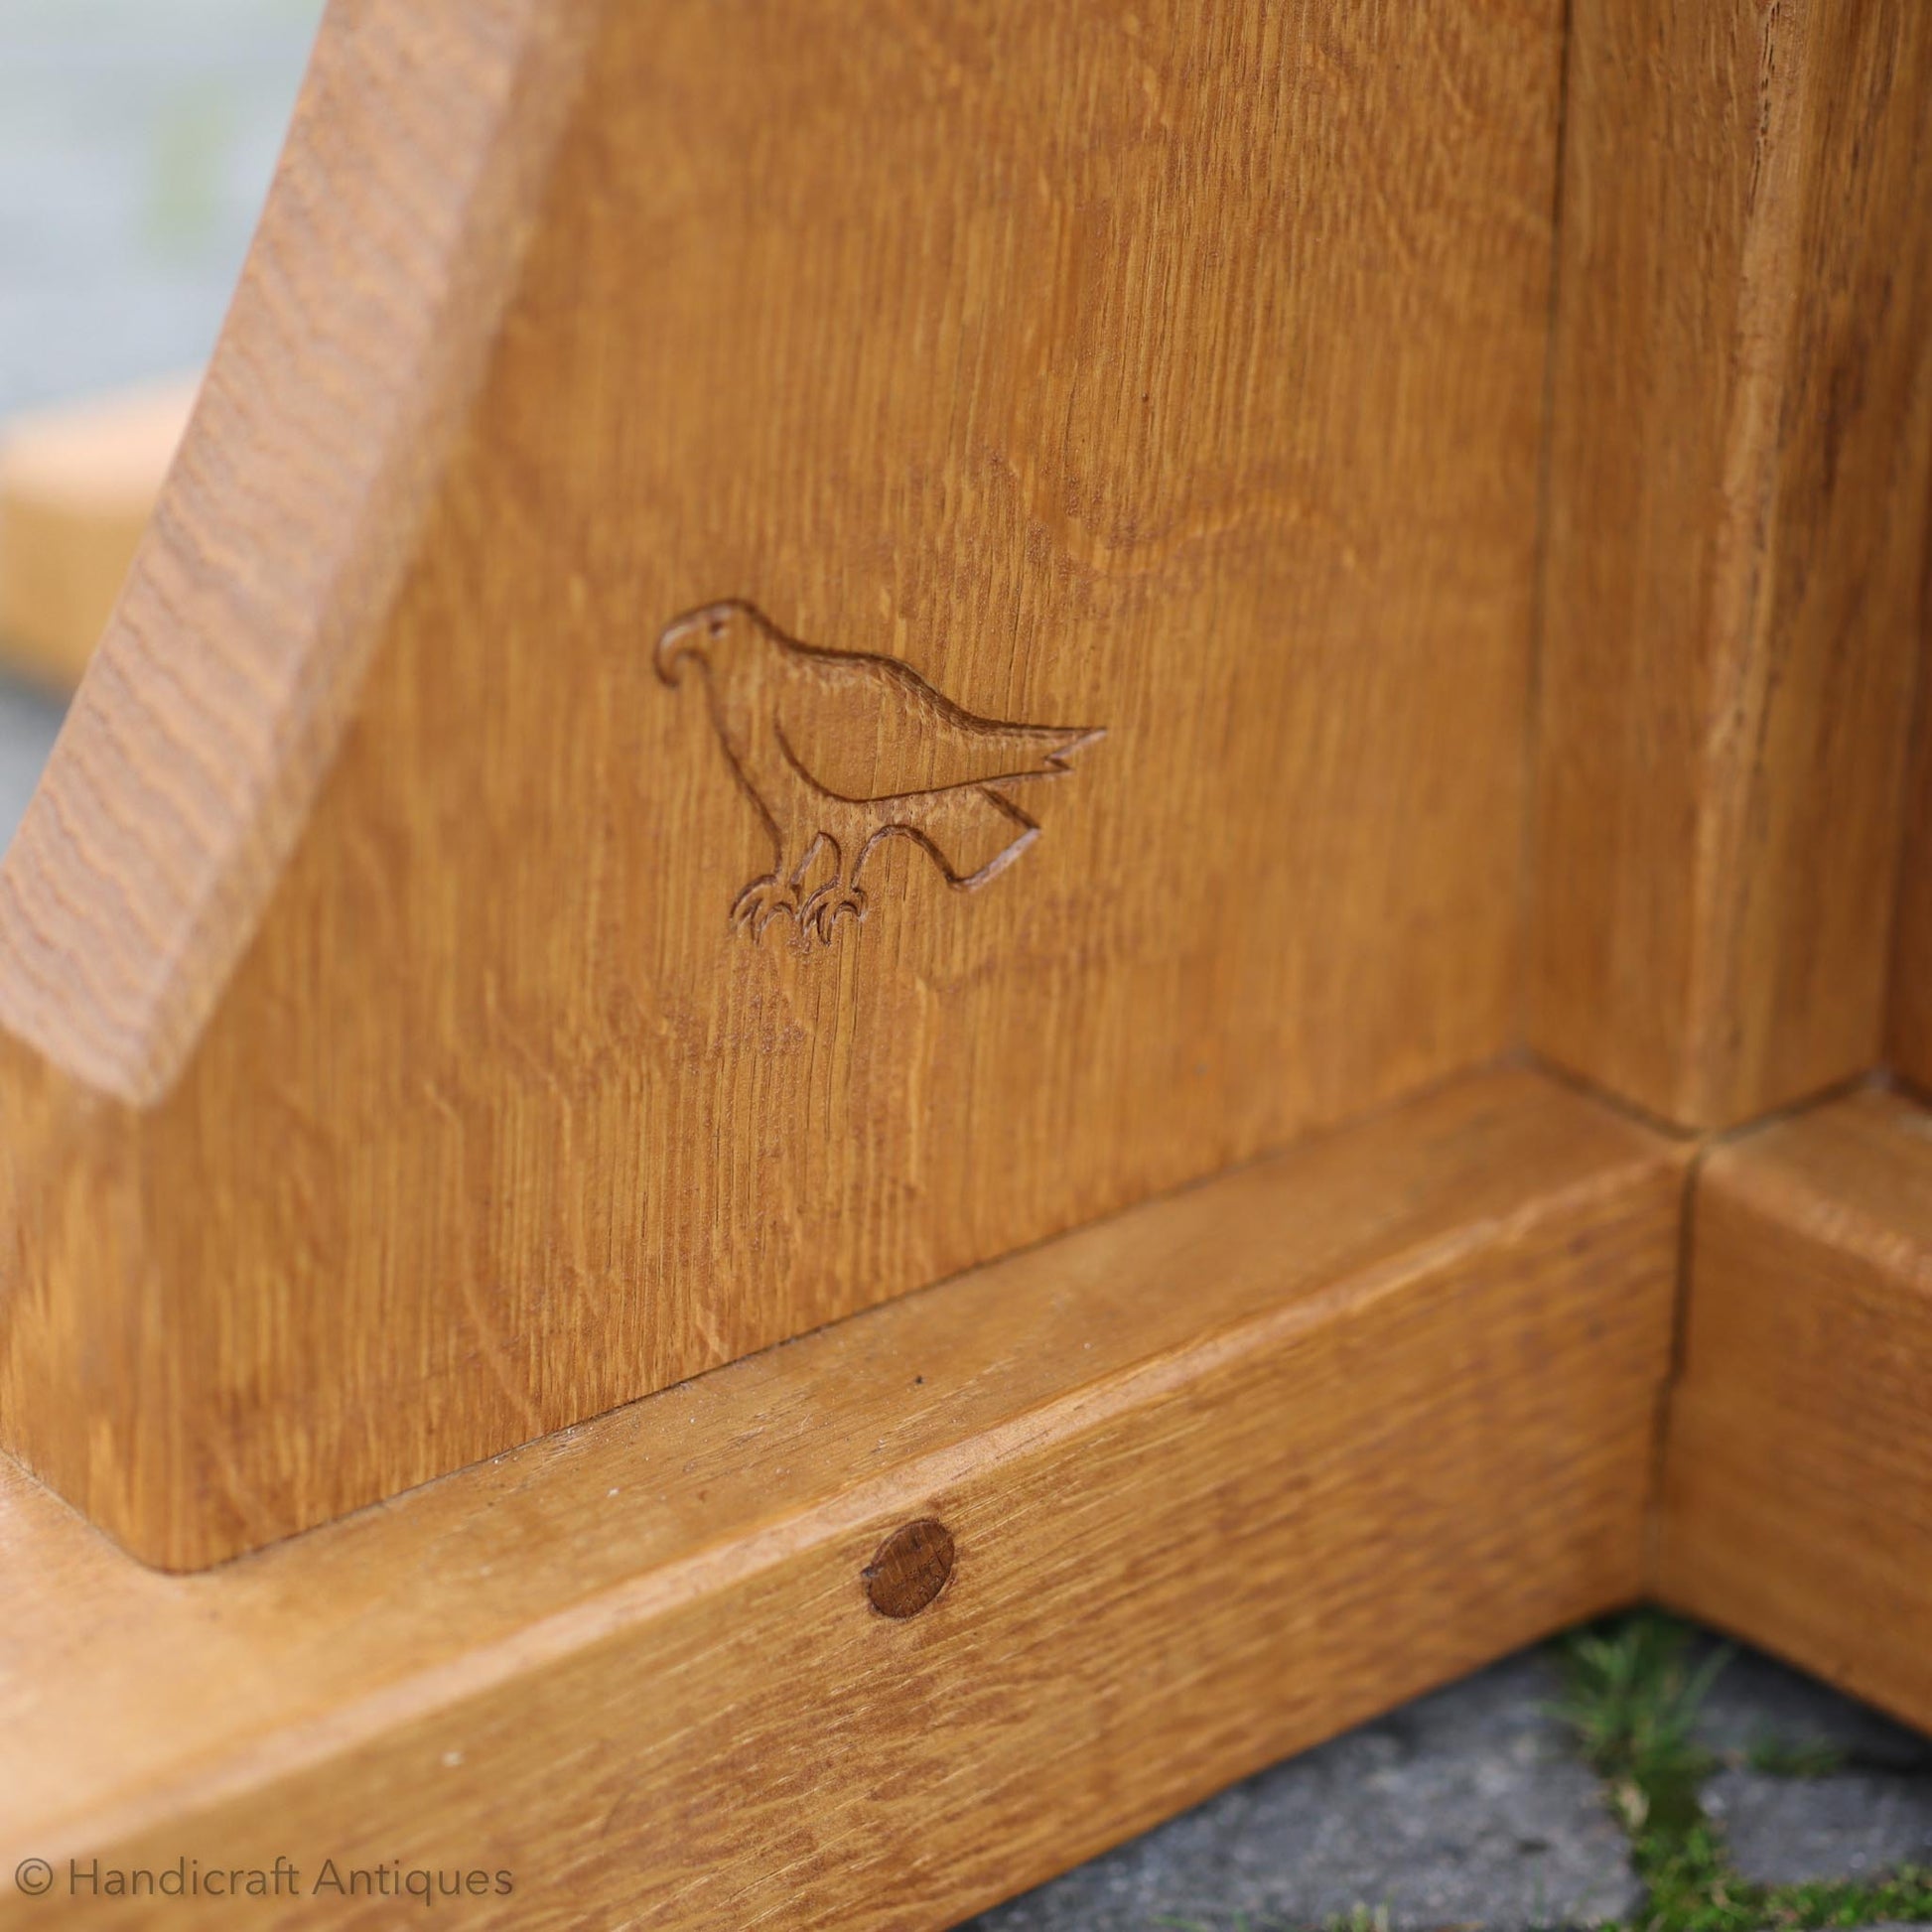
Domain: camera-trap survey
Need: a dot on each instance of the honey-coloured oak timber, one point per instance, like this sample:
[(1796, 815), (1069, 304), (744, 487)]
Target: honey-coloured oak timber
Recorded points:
[(442, 999), (1911, 974), (1797, 1502), (1742, 429), (77, 484), (1220, 1476)]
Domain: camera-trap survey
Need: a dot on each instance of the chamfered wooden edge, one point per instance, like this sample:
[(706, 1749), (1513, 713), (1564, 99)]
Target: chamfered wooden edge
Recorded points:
[(1796, 1507), (77, 486), (215, 697), (1221, 1476)]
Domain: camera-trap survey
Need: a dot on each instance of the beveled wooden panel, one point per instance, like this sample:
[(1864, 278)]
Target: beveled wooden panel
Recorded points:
[(401, 1066), (1797, 1505), (1742, 431), (1224, 1475)]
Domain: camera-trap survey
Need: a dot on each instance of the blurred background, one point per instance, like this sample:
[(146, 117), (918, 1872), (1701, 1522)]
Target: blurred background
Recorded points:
[(137, 139)]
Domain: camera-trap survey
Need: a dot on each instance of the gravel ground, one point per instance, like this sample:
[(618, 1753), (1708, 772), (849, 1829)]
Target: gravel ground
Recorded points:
[(136, 138), (1466, 1807), (1872, 1813)]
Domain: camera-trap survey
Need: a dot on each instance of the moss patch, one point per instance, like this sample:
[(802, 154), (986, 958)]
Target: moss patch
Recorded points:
[(1631, 1701)]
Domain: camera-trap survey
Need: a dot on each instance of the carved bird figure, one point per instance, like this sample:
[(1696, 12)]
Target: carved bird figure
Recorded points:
[(838, 749)]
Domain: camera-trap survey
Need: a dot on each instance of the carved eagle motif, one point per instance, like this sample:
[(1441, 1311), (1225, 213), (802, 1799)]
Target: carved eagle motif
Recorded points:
[(838, 749)]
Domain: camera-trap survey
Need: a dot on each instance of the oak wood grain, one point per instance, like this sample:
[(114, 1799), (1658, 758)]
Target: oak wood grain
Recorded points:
[(77, 484), (1797, 1502), (386, 1077), (1911, 967), (1225, 1474), (217, 696), (1741, 421)]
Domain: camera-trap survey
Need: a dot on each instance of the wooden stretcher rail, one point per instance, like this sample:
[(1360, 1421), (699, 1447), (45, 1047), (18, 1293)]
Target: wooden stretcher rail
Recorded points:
[(1219, 1477), (1797, 1507)]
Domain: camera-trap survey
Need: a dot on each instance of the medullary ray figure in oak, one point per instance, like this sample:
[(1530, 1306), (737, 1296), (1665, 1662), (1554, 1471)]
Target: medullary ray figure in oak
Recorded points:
[(838, 749)]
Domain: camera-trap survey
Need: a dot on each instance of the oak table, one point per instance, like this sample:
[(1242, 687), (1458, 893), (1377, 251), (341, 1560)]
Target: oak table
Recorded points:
[(965, 910)]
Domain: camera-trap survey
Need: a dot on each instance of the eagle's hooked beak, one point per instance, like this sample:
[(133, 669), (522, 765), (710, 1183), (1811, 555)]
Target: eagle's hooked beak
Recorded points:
[(679, 639), (697, 633)]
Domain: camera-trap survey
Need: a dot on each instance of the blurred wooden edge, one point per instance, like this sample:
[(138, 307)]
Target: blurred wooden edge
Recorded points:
[(1797, 1502), (1226, 1474), (77, 484)]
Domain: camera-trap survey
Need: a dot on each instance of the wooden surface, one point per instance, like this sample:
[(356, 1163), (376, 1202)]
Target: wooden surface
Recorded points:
[(386, 1079), (1225, 1474), (1742, 418), (1911, 972), (77, 487), (1797, 1506)]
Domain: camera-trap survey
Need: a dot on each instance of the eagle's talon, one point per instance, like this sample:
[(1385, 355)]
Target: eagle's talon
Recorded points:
[(822, 912), (761, 901), (745, 906)]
